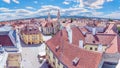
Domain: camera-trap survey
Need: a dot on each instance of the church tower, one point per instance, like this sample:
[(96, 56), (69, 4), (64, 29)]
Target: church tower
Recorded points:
[(49, 18), (58, 15), (58, 18)]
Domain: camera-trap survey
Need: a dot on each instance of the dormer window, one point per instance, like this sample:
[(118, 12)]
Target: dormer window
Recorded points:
[(93, 41)]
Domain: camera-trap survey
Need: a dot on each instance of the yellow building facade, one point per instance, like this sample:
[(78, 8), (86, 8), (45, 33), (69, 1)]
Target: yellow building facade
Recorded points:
[(94, 47), (53, 60), (31, 35)]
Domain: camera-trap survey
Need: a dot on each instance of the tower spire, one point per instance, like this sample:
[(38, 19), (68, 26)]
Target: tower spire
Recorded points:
[(58, 15), (49, 18)]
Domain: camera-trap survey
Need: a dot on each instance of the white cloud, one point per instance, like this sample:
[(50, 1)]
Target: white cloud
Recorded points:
[(29, 7), (81, 3), (66, 3), (7, 1), (16, 1), (93, 4), (109, 0), (97, 4), (96, 14), (8, 14), (114, 15), (50, 7), (2, 9), (23, 13)]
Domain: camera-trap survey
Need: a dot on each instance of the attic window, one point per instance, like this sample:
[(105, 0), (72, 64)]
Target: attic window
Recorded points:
[(75, 61), (91, 48), (30, 29), (93, 41), (96, 49)]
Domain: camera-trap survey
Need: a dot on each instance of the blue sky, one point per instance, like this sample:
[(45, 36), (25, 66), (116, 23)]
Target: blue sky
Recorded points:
[(15, 9)]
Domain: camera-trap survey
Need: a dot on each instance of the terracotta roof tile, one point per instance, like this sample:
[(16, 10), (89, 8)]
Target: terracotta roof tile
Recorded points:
[(77, 35), (83, 29), (104, 39), (70, 51), (30, 29), (114, 46), (5, 40)]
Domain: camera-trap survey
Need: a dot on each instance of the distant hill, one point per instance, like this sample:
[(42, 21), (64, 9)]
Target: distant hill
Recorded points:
[(52, 16)]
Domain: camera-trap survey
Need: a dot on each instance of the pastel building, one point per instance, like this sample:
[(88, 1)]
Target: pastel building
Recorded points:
[(71, 48), (68, 52), (30, 34)]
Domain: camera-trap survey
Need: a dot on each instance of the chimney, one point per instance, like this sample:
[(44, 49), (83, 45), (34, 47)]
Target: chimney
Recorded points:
[(57, 48), (93, 30), (100, 47), (80, 43), (75, 61), (69, 31)]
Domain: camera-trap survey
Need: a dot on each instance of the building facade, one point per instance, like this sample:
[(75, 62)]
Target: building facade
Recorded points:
[(30, 34), (63, 53), (53, 60), (51, 26)]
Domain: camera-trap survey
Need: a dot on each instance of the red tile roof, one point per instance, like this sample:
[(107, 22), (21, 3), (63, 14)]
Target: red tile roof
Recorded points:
[(77, 35), (88, 59), (104, 39), (83, 29), (5, 40), (48, 25), (114, 46), (30, 29)]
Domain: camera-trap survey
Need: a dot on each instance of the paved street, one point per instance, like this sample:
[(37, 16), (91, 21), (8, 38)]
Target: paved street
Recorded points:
[(30, 53), (29, 57)]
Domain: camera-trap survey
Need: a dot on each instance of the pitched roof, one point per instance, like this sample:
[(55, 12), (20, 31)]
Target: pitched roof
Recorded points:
[(83, 29), (77, 35), (99, 38), (110, 29), (5, 40), (68, 52), (30, 29), (114, 46)]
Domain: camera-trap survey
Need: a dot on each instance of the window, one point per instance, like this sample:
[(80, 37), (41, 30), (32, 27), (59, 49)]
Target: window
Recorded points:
[(53, 57), (86, 48), (34, 38), (93, 41), (64, 67), (58, 63), (91, 48), (95, 49), (53, 63)]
